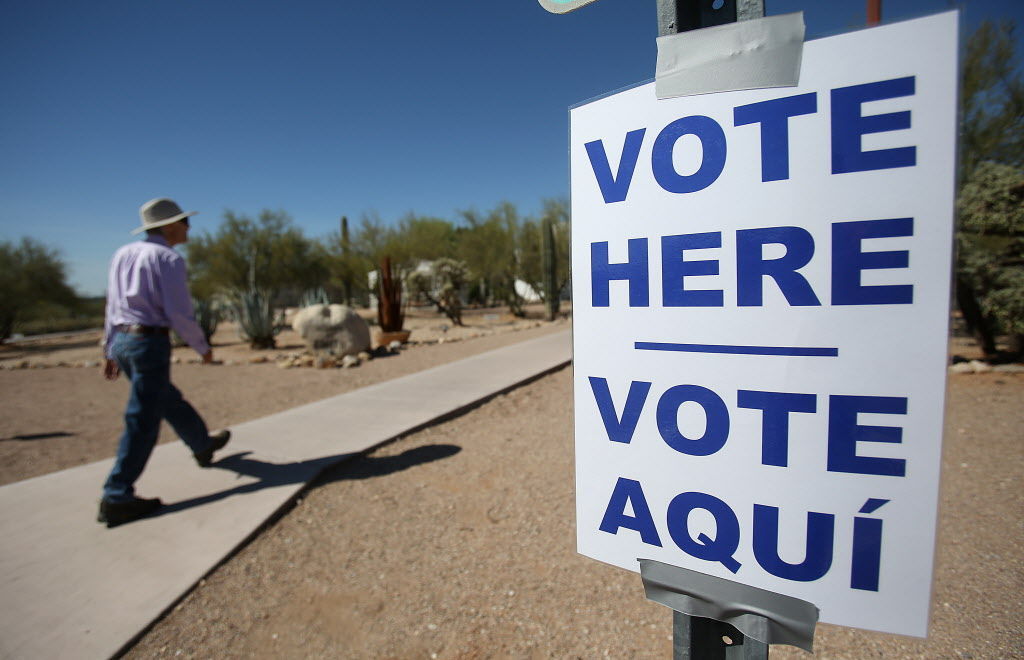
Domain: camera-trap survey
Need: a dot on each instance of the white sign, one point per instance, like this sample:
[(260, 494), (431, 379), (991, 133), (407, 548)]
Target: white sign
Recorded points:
[(761, 299)]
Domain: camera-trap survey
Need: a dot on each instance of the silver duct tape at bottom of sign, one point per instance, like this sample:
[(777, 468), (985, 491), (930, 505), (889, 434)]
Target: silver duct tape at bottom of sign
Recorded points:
[(757, 613)]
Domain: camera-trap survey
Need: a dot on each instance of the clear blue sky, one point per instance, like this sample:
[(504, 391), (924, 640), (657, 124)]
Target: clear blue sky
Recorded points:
[(316, 107)]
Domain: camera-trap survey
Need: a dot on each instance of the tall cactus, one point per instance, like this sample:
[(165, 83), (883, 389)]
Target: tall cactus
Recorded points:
[(551, 293), (389, 298), (346, 257)]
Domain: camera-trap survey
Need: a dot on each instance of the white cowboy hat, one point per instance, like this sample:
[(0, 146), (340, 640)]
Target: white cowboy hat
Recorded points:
[(159, 212)]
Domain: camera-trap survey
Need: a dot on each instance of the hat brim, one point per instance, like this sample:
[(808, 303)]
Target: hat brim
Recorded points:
[(166, 221)]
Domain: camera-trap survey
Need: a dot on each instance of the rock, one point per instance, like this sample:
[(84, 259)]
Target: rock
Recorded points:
[(304, 361), (961, 368), (335, 328), (395, 346), (285, 364), (325, 361), (1009, 368), (980, 367), (350, 361), (365, 356), (91, 364), (258, 359)]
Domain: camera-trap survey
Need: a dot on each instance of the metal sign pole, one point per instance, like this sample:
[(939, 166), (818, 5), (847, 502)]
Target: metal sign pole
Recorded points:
[(698, 638)]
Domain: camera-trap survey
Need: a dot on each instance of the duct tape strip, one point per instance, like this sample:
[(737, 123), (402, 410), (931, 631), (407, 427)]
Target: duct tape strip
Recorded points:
[(563, 6), (754, 54), (763, 615)]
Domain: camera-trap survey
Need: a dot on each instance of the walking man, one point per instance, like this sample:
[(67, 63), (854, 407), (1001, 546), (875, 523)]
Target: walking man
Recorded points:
[(147, 296)]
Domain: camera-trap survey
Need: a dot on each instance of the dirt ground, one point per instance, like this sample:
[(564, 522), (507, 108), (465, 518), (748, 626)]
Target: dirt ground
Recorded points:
[(56, 417), (458, 541)]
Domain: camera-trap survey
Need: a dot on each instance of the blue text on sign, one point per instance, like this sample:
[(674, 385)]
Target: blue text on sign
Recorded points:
[(848, 125)]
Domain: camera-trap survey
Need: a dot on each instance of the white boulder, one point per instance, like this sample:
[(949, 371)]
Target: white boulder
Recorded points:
[(333, 328)]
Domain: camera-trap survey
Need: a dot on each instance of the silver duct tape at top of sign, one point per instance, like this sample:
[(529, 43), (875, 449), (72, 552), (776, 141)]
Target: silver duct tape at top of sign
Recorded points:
[(751, 54)]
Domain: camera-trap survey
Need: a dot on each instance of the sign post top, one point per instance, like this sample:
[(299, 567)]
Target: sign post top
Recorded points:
[(563, 6)]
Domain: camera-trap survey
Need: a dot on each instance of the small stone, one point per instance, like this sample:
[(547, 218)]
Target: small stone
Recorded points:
[(91, 364), (258, 359), (395, 346), (349, 361), (980, 367), (324, 362), (364, 356), (961, 368), (306, 361), (1009, 368)]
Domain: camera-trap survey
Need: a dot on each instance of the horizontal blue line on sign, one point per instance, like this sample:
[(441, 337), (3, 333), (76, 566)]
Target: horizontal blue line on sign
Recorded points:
[(793, 351)]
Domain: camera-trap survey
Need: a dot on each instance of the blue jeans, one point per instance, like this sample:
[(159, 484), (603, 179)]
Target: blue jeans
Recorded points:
[(146, 361)]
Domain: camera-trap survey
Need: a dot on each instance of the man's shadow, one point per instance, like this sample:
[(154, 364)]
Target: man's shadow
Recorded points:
[(353, 466)]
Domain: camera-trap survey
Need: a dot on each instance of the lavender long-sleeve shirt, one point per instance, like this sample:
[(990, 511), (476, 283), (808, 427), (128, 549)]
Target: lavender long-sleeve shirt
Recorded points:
[(148, 285)]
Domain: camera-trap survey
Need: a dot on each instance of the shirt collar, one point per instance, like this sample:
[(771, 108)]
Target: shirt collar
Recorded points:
[(156, 238)]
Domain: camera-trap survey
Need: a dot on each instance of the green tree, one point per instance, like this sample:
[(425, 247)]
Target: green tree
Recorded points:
[(32, 278), (544, 254), (425, 238), (487, 243), (992, 99), (267, 254), (990, 241), (346, 265), (257, 264), (988, 291)]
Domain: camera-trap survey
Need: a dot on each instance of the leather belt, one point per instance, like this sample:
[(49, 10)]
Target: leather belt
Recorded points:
[(137, 329)]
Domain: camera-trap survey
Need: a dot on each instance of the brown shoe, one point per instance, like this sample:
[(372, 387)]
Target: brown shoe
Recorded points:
[(119, 513), (217, 441)]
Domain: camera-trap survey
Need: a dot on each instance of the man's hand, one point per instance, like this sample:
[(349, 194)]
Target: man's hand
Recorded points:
[(208, 357), (110, 369)]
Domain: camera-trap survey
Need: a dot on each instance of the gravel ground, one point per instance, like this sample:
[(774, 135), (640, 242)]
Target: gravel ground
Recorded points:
[(57, 417), (458, 541)]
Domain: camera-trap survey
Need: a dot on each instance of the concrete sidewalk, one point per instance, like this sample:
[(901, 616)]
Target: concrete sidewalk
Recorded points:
[(72, 588)]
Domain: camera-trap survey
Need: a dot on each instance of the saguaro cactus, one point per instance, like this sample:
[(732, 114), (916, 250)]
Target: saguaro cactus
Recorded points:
[(346, 256), (551, 293)]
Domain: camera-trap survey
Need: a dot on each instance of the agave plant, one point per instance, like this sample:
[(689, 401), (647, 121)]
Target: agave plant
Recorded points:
[(317, 296), (207, 316), (256, 318)]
